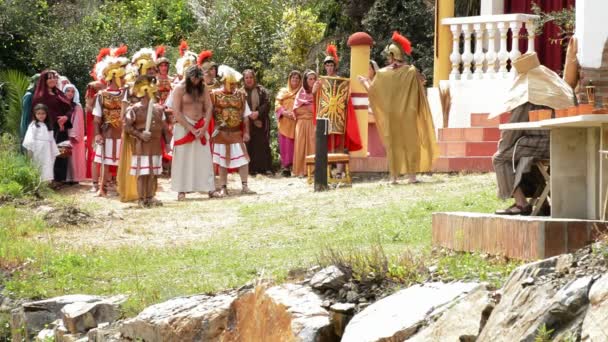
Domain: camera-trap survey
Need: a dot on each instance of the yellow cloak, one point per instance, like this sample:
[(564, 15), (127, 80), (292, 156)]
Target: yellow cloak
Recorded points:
[(404, 120)]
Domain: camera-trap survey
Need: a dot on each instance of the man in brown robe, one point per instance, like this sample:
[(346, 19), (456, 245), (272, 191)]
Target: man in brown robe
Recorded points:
[(536, 87), (258, 146)]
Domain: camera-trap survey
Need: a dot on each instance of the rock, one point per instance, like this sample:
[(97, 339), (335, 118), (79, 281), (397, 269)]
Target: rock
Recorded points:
[(351, 296), (328, 278), (462, 318), (524, 309), (45, 335), (192, 318), (105, 333), (564, 262), (595, 327), (31, 317), (290, 312), (80, 317), (398, 317), (340, 314)]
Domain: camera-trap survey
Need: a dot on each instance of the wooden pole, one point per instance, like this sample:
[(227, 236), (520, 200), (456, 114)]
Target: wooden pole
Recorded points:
[(321, 156)]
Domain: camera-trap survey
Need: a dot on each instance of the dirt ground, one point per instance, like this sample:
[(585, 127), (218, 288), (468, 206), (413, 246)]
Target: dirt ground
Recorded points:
[(115, 223)]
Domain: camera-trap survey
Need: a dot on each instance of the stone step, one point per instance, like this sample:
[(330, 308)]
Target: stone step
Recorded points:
[(467, 148), (519, 237), (481, 120), (467, 164), (469, 134)]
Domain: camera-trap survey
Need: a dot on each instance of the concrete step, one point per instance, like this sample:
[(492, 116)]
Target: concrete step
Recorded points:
[(469, 134), (519, 237), (467, 148), (467, 164), (481, 120)]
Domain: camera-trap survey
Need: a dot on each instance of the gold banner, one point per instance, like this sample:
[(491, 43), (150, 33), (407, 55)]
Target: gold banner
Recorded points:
[(332, 102)]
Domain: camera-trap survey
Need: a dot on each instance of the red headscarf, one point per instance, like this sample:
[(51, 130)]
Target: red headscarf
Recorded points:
[(55, 100)]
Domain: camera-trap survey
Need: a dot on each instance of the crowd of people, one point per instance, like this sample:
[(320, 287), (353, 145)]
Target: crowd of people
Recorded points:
[(203, 123)]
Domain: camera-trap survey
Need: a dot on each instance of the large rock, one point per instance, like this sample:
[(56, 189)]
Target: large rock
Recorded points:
[(289, 312), (328, 278), (595, 325), (399, 316), (529, 303), (81, 317), (193, 318), (463, 318), (32, 317)]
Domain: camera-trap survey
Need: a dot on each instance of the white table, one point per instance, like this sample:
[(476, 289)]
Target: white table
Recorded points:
[(579, 171)]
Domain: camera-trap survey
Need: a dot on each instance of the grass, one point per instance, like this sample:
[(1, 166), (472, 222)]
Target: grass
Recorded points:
[(273, 235)]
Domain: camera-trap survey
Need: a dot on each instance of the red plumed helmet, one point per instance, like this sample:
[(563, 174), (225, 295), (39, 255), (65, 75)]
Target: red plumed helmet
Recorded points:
[(121, 50), (160, 51), (102, 53), (204, 56), (183, 47), (332, 51), (403, 42)]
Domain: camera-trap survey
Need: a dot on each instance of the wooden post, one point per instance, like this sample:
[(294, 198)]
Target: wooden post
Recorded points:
[(321, 156)]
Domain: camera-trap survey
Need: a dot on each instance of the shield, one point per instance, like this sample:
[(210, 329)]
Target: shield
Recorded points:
[(332, 101)]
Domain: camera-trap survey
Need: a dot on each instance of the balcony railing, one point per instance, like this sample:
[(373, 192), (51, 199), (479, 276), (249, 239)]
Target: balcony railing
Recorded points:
[(490, 58)]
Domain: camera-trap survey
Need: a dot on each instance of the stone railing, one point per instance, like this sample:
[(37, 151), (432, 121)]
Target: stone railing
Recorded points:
[(486, 58)]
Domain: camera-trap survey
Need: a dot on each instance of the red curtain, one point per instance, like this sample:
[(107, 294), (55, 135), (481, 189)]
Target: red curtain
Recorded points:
[(551, 54)]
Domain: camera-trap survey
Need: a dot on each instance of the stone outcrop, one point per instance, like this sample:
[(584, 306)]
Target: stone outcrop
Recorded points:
[(193, 318), (290, 312), (460, 321), (399, 316), (82, 311), (594, 326)]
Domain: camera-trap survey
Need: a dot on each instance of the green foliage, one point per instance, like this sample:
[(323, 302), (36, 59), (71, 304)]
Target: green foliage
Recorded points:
[(15, 83), (18, 175), (543, 334), (564, 19), (410, 18)]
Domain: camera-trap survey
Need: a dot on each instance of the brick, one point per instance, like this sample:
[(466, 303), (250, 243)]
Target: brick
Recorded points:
[(578, 236), (555, 238), (467, 148), (481, 120)]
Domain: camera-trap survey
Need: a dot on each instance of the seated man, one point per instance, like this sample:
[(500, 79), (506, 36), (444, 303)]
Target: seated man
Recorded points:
[(535, 87)]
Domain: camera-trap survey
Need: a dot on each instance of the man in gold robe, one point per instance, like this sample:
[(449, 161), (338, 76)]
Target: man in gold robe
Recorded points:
[(402, 112)]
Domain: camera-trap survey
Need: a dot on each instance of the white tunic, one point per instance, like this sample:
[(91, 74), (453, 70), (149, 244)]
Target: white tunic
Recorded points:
[(40, 141)]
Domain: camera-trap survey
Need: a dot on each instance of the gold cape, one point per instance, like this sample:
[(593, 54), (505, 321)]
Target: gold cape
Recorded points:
[(404, 120), (126, 183)]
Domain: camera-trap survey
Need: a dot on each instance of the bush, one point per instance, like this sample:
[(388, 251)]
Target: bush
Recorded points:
[(18, 175)]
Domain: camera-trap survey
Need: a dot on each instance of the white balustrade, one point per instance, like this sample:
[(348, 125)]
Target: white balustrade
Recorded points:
[(490, 58)]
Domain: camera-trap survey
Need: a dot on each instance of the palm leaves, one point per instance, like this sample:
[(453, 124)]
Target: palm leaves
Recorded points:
[(14, 84)]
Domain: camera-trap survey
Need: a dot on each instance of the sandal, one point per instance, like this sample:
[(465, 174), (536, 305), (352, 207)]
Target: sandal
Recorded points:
[(224, 191), (246, 191), (515, 210), (215, 194), (181, 196)]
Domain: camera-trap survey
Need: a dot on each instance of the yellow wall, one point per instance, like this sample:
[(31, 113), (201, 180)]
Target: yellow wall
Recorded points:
[(443, 41)]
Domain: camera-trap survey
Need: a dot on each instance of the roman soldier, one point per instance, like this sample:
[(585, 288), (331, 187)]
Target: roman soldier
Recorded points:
[(209, 70), (186, 59), (144, 122), (165, 86), (231, 115), (163, 81), (107, 112), (90, 96)]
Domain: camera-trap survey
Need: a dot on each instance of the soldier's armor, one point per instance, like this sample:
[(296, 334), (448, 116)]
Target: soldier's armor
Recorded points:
[(228, 109), (164, 89), (111, 105), (139, 115)]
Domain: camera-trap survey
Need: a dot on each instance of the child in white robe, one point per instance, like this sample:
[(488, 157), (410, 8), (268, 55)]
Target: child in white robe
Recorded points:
[(40, 142)]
